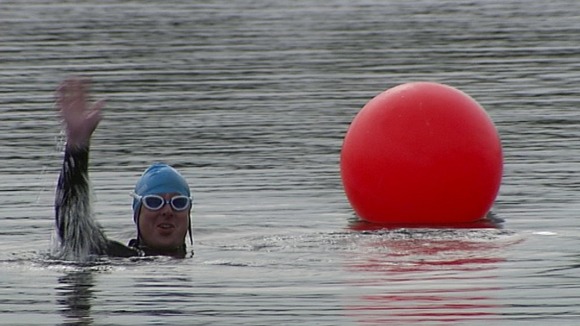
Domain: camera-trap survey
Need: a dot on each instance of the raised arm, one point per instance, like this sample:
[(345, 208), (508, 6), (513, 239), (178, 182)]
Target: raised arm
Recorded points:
[(80, 235)]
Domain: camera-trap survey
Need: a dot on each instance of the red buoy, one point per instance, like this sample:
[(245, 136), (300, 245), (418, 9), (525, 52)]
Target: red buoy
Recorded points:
[(421, 153)]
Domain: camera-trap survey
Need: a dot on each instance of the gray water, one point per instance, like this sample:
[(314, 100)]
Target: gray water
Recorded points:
[(251, 101)]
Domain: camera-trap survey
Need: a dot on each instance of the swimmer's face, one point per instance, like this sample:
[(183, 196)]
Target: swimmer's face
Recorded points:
[(163, 229)]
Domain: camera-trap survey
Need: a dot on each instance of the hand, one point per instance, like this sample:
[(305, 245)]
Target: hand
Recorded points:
[(80, 118)]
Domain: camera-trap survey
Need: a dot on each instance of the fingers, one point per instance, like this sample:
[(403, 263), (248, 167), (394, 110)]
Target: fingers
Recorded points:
[(79, 117), (70, 89), (72, 100), (71, 95), (94, 115), (98, 105)]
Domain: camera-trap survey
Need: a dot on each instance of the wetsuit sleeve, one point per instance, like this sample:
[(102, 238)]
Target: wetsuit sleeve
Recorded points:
[(78, 232), (117, 249), (71, 183)]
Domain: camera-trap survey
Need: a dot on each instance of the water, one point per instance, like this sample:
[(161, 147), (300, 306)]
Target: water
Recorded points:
[(251, 101)]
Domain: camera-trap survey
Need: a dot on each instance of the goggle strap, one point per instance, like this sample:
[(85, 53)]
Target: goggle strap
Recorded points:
[(189, 230)]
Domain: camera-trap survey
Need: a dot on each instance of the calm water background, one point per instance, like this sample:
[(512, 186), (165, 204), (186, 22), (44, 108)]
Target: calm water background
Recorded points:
[(251, 101)]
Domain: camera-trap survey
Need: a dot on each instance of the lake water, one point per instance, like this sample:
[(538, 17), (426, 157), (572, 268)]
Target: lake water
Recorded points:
[(251, 101)]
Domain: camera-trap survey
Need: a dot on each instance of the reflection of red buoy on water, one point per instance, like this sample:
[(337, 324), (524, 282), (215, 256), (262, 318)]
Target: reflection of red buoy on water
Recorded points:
[(421, 153)]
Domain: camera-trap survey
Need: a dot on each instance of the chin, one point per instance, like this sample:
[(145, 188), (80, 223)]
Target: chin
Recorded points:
[(167, 245)]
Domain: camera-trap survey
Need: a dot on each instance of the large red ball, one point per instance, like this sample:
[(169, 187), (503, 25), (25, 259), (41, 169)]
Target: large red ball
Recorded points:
[(421, 153)]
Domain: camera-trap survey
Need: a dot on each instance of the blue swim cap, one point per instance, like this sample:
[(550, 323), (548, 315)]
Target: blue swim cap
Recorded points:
[(159, 178)]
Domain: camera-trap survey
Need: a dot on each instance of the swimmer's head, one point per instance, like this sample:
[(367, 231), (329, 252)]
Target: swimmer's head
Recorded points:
[(158, 179), (162, 228)]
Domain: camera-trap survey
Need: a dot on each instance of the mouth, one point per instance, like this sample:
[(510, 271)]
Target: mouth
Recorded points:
[(165, 226)]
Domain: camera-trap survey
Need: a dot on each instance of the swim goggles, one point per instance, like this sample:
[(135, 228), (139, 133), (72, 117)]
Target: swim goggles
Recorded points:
[(155, 202)]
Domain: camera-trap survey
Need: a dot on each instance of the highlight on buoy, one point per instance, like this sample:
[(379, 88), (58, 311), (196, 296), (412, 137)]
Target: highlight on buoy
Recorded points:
[(421, 153)]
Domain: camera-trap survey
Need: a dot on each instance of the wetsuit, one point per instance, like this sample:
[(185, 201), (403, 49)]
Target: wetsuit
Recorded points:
[(79, 234)]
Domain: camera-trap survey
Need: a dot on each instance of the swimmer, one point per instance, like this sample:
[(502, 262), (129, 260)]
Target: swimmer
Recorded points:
[(162, 199)]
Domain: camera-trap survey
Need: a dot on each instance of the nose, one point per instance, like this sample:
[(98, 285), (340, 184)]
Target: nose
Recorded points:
[(167, 210)]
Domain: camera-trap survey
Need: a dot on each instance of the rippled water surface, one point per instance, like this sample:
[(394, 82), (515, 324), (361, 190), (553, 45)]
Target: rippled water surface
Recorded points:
[(251, 101)]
